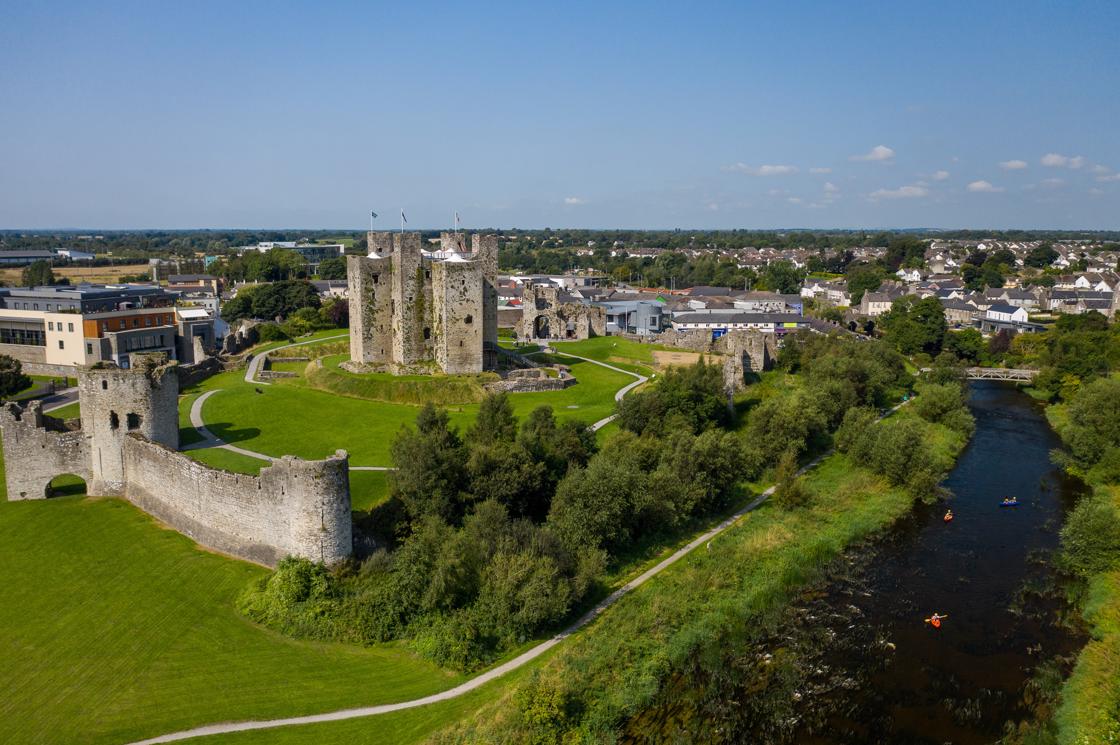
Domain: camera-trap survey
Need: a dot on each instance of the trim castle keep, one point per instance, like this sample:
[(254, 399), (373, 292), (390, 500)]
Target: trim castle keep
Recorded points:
[(414, 311), (127, 447)]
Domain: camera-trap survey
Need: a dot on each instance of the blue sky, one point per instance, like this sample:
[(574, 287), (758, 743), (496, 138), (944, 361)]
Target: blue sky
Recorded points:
[(753, 115)]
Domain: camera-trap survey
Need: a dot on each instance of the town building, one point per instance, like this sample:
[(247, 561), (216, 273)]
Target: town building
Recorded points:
[(720, 322)]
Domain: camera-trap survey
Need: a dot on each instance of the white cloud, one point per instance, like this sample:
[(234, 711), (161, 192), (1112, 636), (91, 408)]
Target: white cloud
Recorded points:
[(831, 188), (767, 170), (794, 200), (777, 192), (1102, 170), (820, 170), (902, 192), (1056, 160), (1013, 165), (940, 175), (983, 187), (1052, 182), (879, 153), (713, 207), (1109, 177), (574, 200)]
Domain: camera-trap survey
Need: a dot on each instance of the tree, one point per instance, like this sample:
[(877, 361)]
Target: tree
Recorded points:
[(967, 344), (495, 422), (913, 325), (692, 395), (1041, 256), (431, 467), (782, 276), (37, 273), (332, 269), (12, 379), (863, 278)]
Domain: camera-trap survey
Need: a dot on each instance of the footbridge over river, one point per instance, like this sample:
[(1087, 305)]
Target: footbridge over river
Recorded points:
[(1018, 375), (1022, 374)]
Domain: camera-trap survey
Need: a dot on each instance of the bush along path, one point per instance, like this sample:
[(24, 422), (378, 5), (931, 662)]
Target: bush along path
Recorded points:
[(515, 663)]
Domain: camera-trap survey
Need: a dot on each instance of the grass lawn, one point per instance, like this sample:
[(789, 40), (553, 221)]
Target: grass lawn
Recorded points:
[(69, 411), (368, 489), (116, 629), (290, 418)]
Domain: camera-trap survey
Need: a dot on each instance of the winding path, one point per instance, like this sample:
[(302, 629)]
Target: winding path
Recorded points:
[(255, 363), (210, 440), (516, 662)]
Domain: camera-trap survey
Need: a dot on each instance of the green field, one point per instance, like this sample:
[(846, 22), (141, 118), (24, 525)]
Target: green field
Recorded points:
[(288, 417), (115, 629)]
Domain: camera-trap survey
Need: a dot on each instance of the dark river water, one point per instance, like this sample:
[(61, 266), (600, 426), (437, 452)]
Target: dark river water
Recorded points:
[(853, 660)]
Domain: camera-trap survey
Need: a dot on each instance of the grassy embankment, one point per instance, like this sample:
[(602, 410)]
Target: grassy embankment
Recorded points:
[(1089, 708)]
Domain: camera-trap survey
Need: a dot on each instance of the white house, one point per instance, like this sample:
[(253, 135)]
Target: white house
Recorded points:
[(909, 275), (1006, 313)]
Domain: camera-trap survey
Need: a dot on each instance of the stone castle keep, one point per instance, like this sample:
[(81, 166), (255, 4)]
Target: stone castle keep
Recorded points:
[(127, 447), (414, 311)]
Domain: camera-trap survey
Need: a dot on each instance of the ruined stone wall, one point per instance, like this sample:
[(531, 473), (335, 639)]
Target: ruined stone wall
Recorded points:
[(458, 311), (743, 351), (294, 507), (544, 316), (192, 374), (34, 455), (369, 283), (115, 403)]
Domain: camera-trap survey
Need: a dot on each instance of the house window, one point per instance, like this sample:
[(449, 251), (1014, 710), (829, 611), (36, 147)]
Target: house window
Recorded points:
[(114, 420), (104, 325), (50, 326), (60, 346), (69, 327), (469, 319), (89, 350), (147, 320), (135, 323)]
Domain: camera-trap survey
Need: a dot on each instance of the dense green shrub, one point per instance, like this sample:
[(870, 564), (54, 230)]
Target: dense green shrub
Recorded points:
[(12, 379), (692, 395), (1091, 536)]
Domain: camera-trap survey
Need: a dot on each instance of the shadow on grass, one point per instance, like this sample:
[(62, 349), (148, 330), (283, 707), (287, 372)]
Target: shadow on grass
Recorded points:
[(230, 434)]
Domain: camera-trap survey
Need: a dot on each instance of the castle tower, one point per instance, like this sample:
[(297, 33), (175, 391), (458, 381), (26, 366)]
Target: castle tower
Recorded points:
[(485, 249), (408, 304), (115, 403)]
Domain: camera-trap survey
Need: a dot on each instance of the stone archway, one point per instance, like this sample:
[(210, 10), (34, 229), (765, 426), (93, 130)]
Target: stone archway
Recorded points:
[(65, 485), (540, 328)]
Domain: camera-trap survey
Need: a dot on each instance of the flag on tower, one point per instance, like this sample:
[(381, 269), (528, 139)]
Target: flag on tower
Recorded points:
[(372, 214), (457, 220), (403, 218)]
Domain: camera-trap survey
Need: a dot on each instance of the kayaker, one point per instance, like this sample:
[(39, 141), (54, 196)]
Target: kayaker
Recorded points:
[(936, 619), (948, 515)]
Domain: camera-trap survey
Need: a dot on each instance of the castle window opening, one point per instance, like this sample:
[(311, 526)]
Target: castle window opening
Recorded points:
[(114, 420), (104, 384), (133, 421), (469, 319), (427, 333), (427, 274), (375, 277)]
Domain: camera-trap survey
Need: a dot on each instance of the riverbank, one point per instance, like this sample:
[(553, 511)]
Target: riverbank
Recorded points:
[(1089, 711), (614, 669), (1089, 700)]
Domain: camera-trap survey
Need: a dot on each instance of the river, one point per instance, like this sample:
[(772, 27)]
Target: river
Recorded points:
[(853, 661)]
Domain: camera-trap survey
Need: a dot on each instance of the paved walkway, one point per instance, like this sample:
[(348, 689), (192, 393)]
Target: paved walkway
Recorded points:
[(255, 363), (618, 394)]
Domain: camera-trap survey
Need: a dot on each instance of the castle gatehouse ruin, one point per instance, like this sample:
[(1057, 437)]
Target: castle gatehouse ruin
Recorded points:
[(127, 447)]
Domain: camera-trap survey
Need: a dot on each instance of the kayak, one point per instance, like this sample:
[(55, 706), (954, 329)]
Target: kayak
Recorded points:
[(1009, 503), (948, 518)]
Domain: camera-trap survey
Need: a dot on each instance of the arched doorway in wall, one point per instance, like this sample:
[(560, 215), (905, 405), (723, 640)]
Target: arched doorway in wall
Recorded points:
[(66, 485), (540, 328)]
